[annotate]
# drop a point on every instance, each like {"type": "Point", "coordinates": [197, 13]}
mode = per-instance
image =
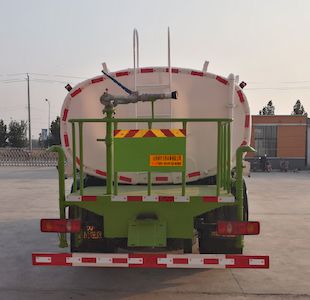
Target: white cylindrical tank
{"type": "Point", "coordinates": [200, 95]}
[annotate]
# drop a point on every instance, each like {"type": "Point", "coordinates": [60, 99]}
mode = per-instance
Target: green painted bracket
{"type": "Point", "coordinates": [239, 185]}
{"type": "Point", "coordinates": [147, 233]}
{"type": "Point", "coordinates": [239, 174]}
{"type": "Point", "coordinates": [61, 182]}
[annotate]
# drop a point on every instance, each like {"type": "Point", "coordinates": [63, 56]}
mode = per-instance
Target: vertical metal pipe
{"type": "Point", "coordinates": [239, 178]}
{"type": "Point", "coordinates": [61, 184]}
{"type": "Point", "coordinates": [184, 180]}
{"type": "Point", "coordinates": [153, 109]}
{"type": "Point", "coordinates": [81, 158]}
{"type": "Point", "coordinates": [231, 95]}
{"type": "Point", "coordinates": [218, 176]}
{"type": "Point", "coordinates": [29, 114]}
{"type": "Point", "coordinates": [135, 56]}
{"type": "Point", "coordinates": [62, 207]}
{"type": "Point", "coordinates": [169, 60]}
{"type": "Point", "coordinates": [225, 155]}
{"type": "Point", "coordinates": [239, 191]}
{"type": "Point", "coordinates": [109, 153]}
{"type": "Point", "coordinates": [228, 157]}
{"type": "Point", "coordinates": [149, 174]}
{"type": "Point", "coordinates": [115, 183]}
{"type": "Point", "coordinates": [184, 172]}
{"type": "Point", "coordinates": [48, 121]}
{"type": "Point", "coordinates": [74, 157]}
{"type": "Point", "coordinates": [239, 186]}
{"type": "Point", "coordinates": [149, 183]}
{"type": "Point", "coordinates": [222, 155]}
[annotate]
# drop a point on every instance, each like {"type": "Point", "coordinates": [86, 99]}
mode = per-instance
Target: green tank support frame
{"type": "Point", "coordinates": [177, 218]}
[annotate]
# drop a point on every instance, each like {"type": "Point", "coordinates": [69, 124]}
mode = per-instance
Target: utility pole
{"type": "Point", "coordinates": [49, 122]}
{"type": "Point", "coordinates": [29, 117]}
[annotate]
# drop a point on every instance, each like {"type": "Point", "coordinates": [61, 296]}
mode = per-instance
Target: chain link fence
{"type": "Point", "coordinates": [24, 157]}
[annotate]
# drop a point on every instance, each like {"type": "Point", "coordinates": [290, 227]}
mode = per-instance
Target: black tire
{"type": "Point", "coordinates": [187, 246]}
{"type": "Point", "coordinates": [208, 243]}
{"type": "Point", "coordinates": [73, 214]}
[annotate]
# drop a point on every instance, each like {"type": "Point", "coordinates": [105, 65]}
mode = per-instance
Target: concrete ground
{"type": "Point", "coordinates": [281, 202]}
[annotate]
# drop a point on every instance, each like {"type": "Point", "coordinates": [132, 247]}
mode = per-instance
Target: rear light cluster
{"type": "Point", "coordinates": [237, 228]}
{"type": "Point", "coordinates": [60, 225]}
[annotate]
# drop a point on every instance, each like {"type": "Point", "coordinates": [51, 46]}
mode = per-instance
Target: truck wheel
{"type": "Point", "coordinates": [187, 246]}
{"type": "Point", "coordinates": [209, 243]}
{"type": "Point", "coordinates": [73, 213]}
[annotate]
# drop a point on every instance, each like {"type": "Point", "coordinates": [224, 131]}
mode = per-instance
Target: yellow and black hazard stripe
{"type": "Point", "coordinates": [143, 133]}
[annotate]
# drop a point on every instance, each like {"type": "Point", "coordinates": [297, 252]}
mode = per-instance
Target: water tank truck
{"type": "Point", "coordinates": [157, 166]}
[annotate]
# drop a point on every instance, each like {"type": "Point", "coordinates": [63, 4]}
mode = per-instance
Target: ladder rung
{"type": "Point", "coordinates": [154, 85]}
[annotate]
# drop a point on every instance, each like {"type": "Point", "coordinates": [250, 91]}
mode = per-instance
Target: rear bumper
{"type": "Point", "coordinates": [151, 260]}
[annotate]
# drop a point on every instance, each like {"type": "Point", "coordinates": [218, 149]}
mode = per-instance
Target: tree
{"type": "Point", "coordinates": [268, 110]}
{"type": "Point", "coordinates": [17, 134]}
{"type": "Point", "coordinates": [298, 109]}
{"type": "Point", "coordinates": [3, 134]}
{"type": "Point", "coordinates": [54, 136]}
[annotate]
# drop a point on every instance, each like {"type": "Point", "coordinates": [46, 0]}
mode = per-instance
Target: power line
{"type": "Point", "coordinates": [40, 74]}
{"type": "Point", "coordinates": [45, 74]}
{"type": "Point", "coordinates": [14, 74]}
{"type": "Point", "coordinates": [275, 82]}
{"type": "Point", "coordinates": [13, 80]}
{"type": "Point", "coordinates": [280, 88]}
{"type": "Point", "coordinates": [65, 76]}
{"type": "Point", "coordinates": [48, 81]}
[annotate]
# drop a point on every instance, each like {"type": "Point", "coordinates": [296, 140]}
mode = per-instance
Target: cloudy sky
{"type": "Point", "coordinates": [266, 42]}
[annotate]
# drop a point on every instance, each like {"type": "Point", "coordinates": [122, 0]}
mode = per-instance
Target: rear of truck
{"type": "Point", "coordinates": [183, 225]}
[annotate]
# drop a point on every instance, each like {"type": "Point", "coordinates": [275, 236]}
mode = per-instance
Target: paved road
{"type": "Point", "coordinates": [280, 201]}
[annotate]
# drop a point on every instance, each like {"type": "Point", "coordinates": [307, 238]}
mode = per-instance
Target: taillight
{"type": "Point", "coordinates": [60, 225]}
{"type": "Point", "coordinates": [237, 228]}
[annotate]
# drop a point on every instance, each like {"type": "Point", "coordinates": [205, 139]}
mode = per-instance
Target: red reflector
{"type": "Point", "coordinates": [237, 228]}
{"type": "Point", "coordinates": [92, 260]}
{"type": "Point", "coordinates": [180, 261]}
{"type": "Point", "coordinates": [119, 260]}
{"type": "Point", "coordinates": [59, 225]}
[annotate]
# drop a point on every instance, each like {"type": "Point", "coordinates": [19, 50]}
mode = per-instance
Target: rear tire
{"type": "Point", "coordinates": [208, 243]}
{"type": "Point", "coordinates": [188, 246]}
{"type": "Point", "coordinates": [217, 245]}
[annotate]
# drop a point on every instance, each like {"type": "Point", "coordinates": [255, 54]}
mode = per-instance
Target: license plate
{"type": "Point", "coordinates": [91, 233]}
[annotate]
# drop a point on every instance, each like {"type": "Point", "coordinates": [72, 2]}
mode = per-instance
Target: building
{"type": "Point", "coordinates": [281, 138]}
